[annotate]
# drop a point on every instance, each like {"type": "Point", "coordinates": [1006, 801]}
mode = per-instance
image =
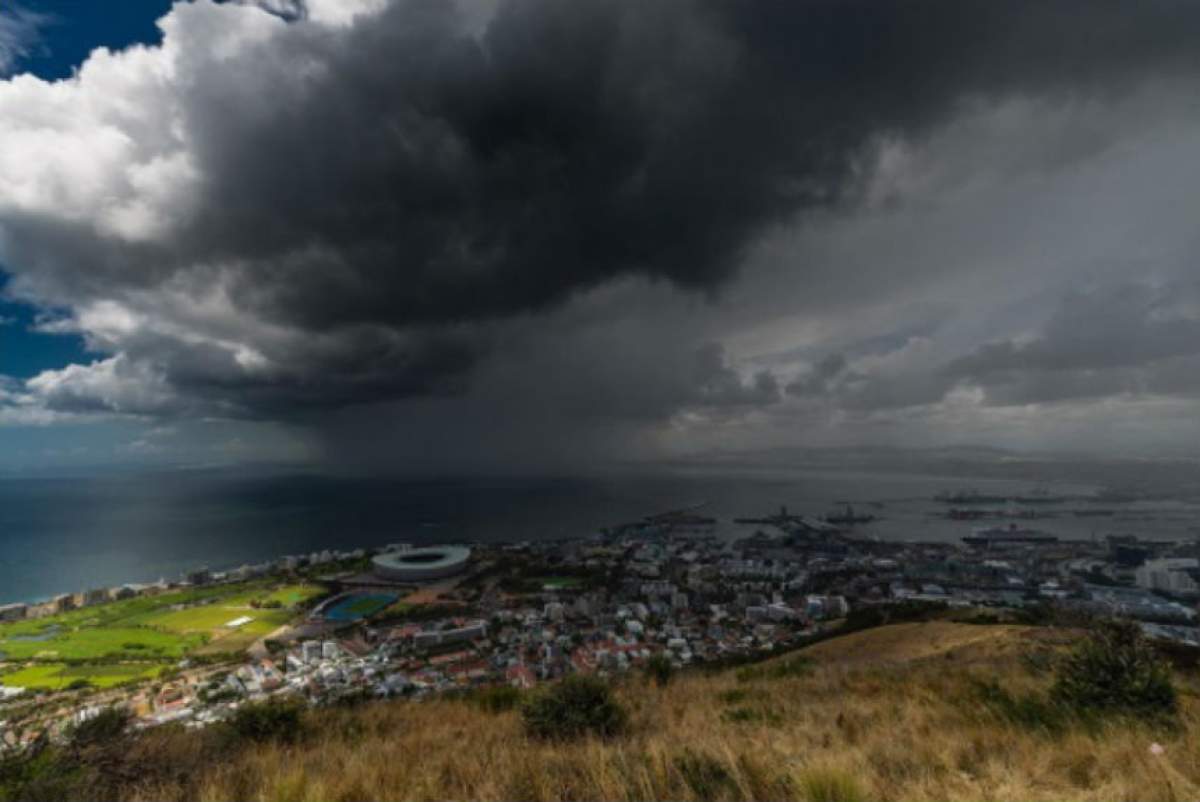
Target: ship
{"type": "Point", "coordinates": [969, 496]}
{"type": "Point", "coordinates": [999, 536]}
{"type": "Point", "coordinates": [956, 514]}
{"type": "Point", "coordinates": [1039, 496]}
{"type": "Point", "coordinates": [848, 518]}
{"type": "Point", "coordinates": [1113, 496]}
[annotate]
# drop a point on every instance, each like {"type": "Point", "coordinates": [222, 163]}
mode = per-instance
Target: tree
{"type": "Point", "coordinates": [660, 669]}
{"type": "Point", "coordinates": [274, 720]}
{"type": "Point", "coordinates": [576, 707]}
{"type": "Point", "coordinates": [1116, 670]}
{"type": "Point", "coordinates": [105, 726]}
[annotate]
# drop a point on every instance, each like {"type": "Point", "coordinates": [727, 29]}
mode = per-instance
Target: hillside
{"type": "Point", "coordinates": [890, 713]}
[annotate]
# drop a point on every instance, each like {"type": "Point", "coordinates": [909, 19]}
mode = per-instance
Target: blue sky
{"type": "Point", "coordinates": [73, 28]}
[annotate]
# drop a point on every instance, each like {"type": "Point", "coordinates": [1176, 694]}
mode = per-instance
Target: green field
{"type": "Point", "coordinates": [218, 611]}
{"type": "Point", "coordinates": [159, 629]}
{"type": "Point", "coordinates": [398, 607]}
{"type": "Point", "coordinates": [368, 605]}
{"type": "Point", "coordinates": [291, 595]}
{"type": "Point", "coordinates": [265, 622]}
{"type": "Point", "coordinates": [89, 643]}
{"type": "Point", "coordinates": [559, 582]}
{"type": "Point", "coordinates": [56, 676]}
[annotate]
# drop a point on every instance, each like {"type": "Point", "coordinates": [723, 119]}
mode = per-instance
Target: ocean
{"type": "Point", "coordinates": [65, 535]}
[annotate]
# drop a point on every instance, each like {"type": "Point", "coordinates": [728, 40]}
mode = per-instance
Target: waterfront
{"type": "Point", "coordinates": [60, 535]}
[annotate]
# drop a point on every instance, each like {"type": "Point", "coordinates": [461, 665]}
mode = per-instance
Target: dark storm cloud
{"type": "Point", "coordinates": [719, 385]}
{"type": "Point", "coordinates": [423, 176]}
{"type": "Point", "coordinates": [1124, 339]}
{"type": "Point", "coordinates": [366, 203]}
{"type": "Point", "coordinates": [820, 379]}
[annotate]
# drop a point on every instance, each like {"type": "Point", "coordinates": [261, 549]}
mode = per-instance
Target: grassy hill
{"type": "Point", "coordinates": [907, 711]}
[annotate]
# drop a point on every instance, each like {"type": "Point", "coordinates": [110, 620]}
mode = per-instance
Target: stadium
{"type": "Point", "coordinates": [415, 565]}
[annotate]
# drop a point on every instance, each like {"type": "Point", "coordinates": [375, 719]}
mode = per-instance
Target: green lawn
{"type": "Point", "coordinates": [368, 605]}
{"type": "Point", "coordinates": [163, 628]}
{"type": "Point", "coordinates": [559, 582]}
{"type": "Point", "coordinates": [211, 618]}
{"type": "Point", "coordinates": [55, 676]}
{"type": "Point", "coordinates": [265, 622]}
{"type": "Point", "coordinates": [128, 611]}
{"type": "Point", "coordinates": [88, 643]}
{"type": "Point", "coordinates": [398, 607]}
{"type": "Point", "coordinates": [291, 595]}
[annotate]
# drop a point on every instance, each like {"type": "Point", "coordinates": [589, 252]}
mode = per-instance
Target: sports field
{"type": "Point", "coordinates": [134, 638]}
{"type": "Point", "coordinates": [357, 606]}
{"type": "Point", "coordinates": [88, 643]}
{"type": "Point", "coordinates": [559, 582]}
{"type": "Point", "coordinates": [56, 676]}
{"type": "Point", "coordinates": [212, 616]}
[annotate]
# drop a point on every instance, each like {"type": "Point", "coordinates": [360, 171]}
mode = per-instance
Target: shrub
{"type": "Point", "coordinates": [269, 721]}
{"type": "Point", "coordinates": [705, 775]}
{"type": "Point", "coordinates": [798, 666]}
{"type": "Point", "coordinates": [752, 715]}
{"type": "Point", "coordinates": [44, 775]}
{"type": "Point", "coordinates": [1116, 670]}
{"type": "Point", "coordinates": [498, 698]}
{"type": "Point", "coordinates": [830, 785]}
{"type": "Point", "coordinates": [576, 707]}
{"type": "Point", "coordinates": [105, 726]}
{"type": "Point", "coordinates": [735, 696]}
{"type": "Point", "coordinates": [660, 670]}
{"type": "Point", "coordinates": [1029, 710]}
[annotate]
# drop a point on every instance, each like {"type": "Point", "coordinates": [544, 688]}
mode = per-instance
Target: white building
{"type": "Point", "coordinates": [13, 612]}
{"type": "Point", "coordinates": [310, 651]}
{"type": "Point", "coordinates": [1169, 574]}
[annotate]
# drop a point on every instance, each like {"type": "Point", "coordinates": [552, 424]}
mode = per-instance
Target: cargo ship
{"type": "Point", "coordinates": [848, 518]}
{"type": "Point", "coordinates": [1000, 536]}
{"type": "Point", "coordinates": [969, 497]}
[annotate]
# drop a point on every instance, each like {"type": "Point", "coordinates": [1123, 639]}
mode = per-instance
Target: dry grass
{"type": "Point", "coordinates": [884, 715]}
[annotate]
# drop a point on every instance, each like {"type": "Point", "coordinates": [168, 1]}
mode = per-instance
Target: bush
{"type": "Point", "coordinates": [736, 696]}
{"type": "Point", "coordinates": [751, 715]}
{"type": "Point", "coordinates": [1032, 711]}
{"type": "Point", "coordinates": [789, 668]}
{"type": "Point", "coordinates": [704, 775]}
{"type": "Point", "coordinates": [44, 775]}
{"type": "Point", "coordinates": [830, 785]}
{"type": "Point", "coordinates": [498, 698]}
{"type": "Point", "coordinates": [1116, 670]}
{"type": "Point", "coordinates": [269, 721]}
{"type": "Point", "coordinates": [659, 669]}
{"type": "Point", "coordinates": [105, 726]}
{"type": "Point", "coordinates": [576, 707]}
